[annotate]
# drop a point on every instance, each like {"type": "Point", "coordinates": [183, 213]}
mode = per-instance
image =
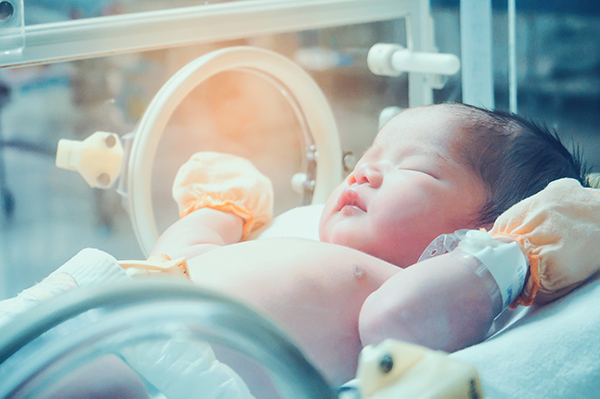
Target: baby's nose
{"type": "Point", "coordinates": [367, 174]}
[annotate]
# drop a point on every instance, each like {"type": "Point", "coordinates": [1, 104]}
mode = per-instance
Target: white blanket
{"type": "Point", "coordinates": [551, 352]}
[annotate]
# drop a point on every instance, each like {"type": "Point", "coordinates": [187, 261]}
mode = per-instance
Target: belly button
{"type": "Point", "coordinates": [358, 272]}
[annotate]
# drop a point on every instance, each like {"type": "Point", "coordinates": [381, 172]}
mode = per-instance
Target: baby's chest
{"type": "Point", "coordinates": [313, 294]}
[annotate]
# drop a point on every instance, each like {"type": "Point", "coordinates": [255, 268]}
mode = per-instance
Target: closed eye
{"type": "Point", "coordinates": [435, 175]}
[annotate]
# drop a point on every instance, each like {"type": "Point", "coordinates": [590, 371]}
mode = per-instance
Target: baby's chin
{"type": "Point", "coordinates": [324, 236]}
{"type": "Point", "coordinates": [334, 237]}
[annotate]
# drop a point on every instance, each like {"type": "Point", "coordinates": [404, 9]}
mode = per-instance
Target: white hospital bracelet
{"type": "Point", "coordinates": [491, 286]}
{"type": "Point", "coordinates": [504, 260]}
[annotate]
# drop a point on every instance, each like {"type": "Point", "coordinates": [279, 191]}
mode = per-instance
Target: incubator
{"type": "Point", "coordinates": [315, 71]}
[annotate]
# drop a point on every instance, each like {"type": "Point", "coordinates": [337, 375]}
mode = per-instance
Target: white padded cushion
{"type": "Point", "coordinates": [300, 222]}
{"type": "Point", "coordinates": [553, 351]}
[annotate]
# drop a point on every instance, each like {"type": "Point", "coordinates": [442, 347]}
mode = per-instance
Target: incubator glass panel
{"type": "Point", "coordinates": [48, 11]}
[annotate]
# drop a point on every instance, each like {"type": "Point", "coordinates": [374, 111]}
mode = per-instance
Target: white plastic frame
{"type": "Point", "coordinates": [309, 97]}
{"type": "Point", "coordinates": [143, 31]}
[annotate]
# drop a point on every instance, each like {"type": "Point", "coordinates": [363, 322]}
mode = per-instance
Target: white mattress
{"type": "Point", "coordinates": [552, 351]}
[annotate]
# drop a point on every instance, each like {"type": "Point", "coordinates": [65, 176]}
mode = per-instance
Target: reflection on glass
{"type": "Point", "coordinates": [153, 339]}
{"type": "Point", "coordinates": [106, 376]}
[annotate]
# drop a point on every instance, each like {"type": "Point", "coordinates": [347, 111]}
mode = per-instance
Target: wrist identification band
{"type": "Point", "coordinates": [505, 261]}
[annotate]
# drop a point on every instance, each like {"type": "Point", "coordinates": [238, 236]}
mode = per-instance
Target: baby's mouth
{"type": "Point", "coordinates": [350, 198]}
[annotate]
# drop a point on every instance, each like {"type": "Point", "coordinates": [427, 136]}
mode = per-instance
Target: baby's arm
{"type": "Point", "coordinates": [439, 303]}
{"type": "Point", "coordinates": [199, 232]}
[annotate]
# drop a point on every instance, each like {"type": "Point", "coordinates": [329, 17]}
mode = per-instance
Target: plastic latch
{"type": "Point", "coordinates": [98, 158]}
{"type": "Point", "coordinates": [379, 59]}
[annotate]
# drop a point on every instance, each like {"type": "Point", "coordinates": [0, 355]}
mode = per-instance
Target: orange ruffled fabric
{"type": "Point", "coordinates": [559, 231]}
{"type": "Point", "coordinates": [228, 206]}
{"type": "Point", "coordinates": [226, 183]}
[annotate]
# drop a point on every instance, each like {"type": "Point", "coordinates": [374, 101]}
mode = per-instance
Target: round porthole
{"type": "Point", "coordinates": [306, 99]}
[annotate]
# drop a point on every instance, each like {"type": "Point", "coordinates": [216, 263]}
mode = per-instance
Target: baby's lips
{"type": "Point", "coordinates": [349, 197]}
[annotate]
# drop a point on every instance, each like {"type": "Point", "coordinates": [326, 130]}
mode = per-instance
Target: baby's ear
{"type": "Point", "coordinates": [487, 226]}
{"type": "Point", "coordinates": [479, 224]}
{"type": "Point", "coordinates": [481, 220]}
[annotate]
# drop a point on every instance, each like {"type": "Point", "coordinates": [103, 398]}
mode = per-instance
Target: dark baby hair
{"type": "Point", "coordinates": [514, 157]}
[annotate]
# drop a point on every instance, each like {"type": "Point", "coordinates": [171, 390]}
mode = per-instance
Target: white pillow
{"type": "Point", "coordinates": [553, 351]}
{"type": "Point", "coordinates": [300, 222]}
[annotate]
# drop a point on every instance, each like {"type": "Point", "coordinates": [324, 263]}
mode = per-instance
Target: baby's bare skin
{"type": "Point", "coordinates": [285, 279]}
{"type": "Point", "coordinates": [333, 300]}
{"type": "Point", "coordinates": [350, 289]}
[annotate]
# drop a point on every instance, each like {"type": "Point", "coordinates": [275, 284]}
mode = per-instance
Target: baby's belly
{"type": "Point", "coordinates": [314, 291]}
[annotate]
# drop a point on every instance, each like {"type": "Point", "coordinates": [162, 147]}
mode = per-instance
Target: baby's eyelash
{"type": "Point", "coordinates": [418, 170]}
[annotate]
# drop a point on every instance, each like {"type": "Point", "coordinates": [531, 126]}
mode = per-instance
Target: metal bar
{"type": "Point", "coordinates": [476, 53]}
{"type": "Point", "coordinates": [95, 37]}
{"type": "Point", "coordinates": [419, 35]}
{"type": "Point", "coordinates": [512, 57]}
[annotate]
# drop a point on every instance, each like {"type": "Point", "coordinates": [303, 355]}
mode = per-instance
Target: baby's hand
{"type": "Point", "coordinates": [226, 183]}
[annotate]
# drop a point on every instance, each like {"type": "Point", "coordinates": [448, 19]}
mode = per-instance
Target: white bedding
{"type": "Point", "coordinates": [182, 369]}
{"type": "Point", "coordinates": [300, 222]}
{"type": "Point", "coordinates": [551, 352]}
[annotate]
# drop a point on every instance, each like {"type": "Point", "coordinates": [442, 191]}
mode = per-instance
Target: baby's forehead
{"type": "Point", "coordinates": [423, 133]}
{"type": "Point", "coordinates": [401, 149]}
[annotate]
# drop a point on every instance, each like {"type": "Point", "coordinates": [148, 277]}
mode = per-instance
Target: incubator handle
{"type": "Point", "coordinates": [392, 60]}
{"type": "Point", "coordinates": [98, 158]}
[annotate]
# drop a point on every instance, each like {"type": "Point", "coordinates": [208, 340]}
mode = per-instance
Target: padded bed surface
{"type": "Point", "coordinates": [552, 351]}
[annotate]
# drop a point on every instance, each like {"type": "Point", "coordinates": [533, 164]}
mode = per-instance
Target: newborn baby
{"type": "Point", "coordinates": [430, 171]}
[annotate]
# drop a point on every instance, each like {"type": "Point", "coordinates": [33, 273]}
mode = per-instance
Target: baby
{"type": "Point", "coordinates": [431, 170]}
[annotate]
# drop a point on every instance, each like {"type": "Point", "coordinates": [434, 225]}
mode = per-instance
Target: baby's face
{"type": "Point", "coordinates": [407, 189]}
